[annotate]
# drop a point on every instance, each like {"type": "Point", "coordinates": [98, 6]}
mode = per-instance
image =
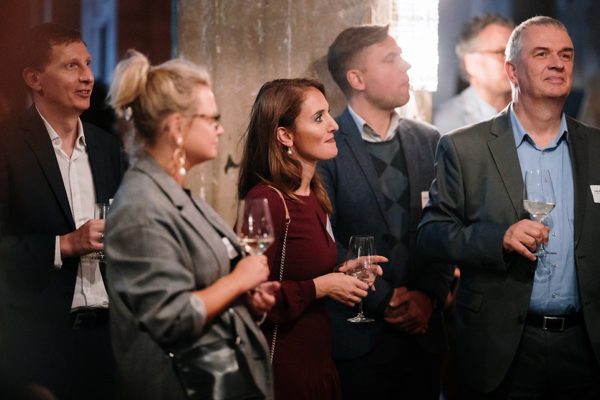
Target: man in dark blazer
{"type": "Point", "coordinates": [53, 168]}
{"type": "Point", "coordinates": [526, 327]}
{"type": "Point", "coordinates": [383, 167]}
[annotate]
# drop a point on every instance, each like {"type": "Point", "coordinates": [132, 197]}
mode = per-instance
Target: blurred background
{"type": "Point", "coordinates": [244, 43]}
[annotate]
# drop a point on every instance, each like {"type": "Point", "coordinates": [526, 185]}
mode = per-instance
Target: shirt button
{"type": "Point", "coordinates": [553, 234]}
{"type": "Point", "coordinates": [554, 295]}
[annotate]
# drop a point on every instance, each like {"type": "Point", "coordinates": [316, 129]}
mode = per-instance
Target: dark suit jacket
{"type": "Point", "coordinates": [35, 297]}
{"type": "Point", "coordinates": [358, 208]}
{"type": "Point", "coordinates": [476, 196]}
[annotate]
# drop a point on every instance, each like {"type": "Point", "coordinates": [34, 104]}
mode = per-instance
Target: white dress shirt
{"type": "Point", "coordinates": [78, 181]}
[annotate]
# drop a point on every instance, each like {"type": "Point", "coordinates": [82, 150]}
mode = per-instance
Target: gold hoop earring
{"type": "Point", "coordinates": [179, 157]}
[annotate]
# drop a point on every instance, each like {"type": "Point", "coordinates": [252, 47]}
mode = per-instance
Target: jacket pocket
{"type": "Point", "coordinates": [469, 299]}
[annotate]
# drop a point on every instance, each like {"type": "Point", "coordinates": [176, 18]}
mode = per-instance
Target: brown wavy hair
{"type": "Point", "coordinates": [265, 159]}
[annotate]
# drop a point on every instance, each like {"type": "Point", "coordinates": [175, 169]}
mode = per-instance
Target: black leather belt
{"type": "Point", "coordinates": [554, 323]}
{"type": "Point", "coordinates": [88, 317]}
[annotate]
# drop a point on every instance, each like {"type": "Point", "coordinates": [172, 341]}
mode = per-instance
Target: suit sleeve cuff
{"type": "Point", "coordinates": [199, 319]}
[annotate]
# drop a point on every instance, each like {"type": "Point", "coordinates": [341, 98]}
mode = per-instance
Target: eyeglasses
{"type": "Point", "coordinates": [215, 120]}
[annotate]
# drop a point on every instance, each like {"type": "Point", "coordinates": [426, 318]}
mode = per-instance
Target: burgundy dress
{"type": "Point", "coordinates": [302, 364]}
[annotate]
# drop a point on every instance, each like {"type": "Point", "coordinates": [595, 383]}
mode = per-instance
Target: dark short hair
{"type": "Point", "coordinates": [342, 53]}
{"type": "Point", "coordinates": [37, 47]}
{"type": "Point", "coordinates": [467, 41]}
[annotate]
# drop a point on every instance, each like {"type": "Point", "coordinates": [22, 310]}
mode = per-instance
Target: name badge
{"type": "Point", "coordinates": [424, 199]}
{"type": "Point", "coordinates": [595, 193]}
{"type": "Point", "coordinates": [231, 251]}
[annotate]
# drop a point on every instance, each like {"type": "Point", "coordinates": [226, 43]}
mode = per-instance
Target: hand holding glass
{"type": "Point", "coordinates": [254, 226]}
{"type": "Point", "coordinates": [359, 260]}
{"type": "Point", "coordinates": [538, 198]}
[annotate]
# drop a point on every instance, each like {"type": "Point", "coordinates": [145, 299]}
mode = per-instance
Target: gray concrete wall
{"type": "Point", "coordinates": [246, 43]}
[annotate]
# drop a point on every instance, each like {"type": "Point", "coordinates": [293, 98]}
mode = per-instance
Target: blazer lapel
{"type": "Point", "coordinates": [36, 135]}
{"type": "Point", "coordinates": [415, 158]}
{"type": "Point", "coordinates": [98, 164]}
{"type": "Point", "coordinates": [356, 144]}
{"type": "Point", "coordinates": [191, 211]}
{"type": "Point", "coordinates": [578, 150]}
{"type": "Point", "coordinates": [217, 222]}
{"type": "Point", "coordinates": [504, 152]}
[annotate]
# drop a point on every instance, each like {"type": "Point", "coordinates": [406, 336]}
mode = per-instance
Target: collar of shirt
{"type": "Point", "coordinates": [368, 134]}
{"type": "Point", "coordinates": [80, 144]}
{"type": "Point", "coordinates": [520, 134]}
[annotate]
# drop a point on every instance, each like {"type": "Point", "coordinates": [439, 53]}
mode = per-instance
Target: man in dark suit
{"type": "Point", "coordinates": [383, 167]}
{"type": "Point", "coordinates": [53, 169]}
{"type": "Point", "coordinates": [526, 327]}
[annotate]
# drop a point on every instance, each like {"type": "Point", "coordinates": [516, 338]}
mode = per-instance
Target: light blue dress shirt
{"type": "Point", "coordinates": [555, 289]}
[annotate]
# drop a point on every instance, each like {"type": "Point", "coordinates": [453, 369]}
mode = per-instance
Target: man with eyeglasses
{"type": "Point", "coordinates": [480, 51]}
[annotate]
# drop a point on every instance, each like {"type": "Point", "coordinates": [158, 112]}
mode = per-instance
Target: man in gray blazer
{"type": "Point", "coordinates": [526, 327]}
{"type": "Point", "coordinates": [383, 167]}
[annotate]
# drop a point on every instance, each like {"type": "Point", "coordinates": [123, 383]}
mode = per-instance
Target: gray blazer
{"type": "Point", "coordinates": [476, 196]}
{"type": "Point", "coordinates": [161, 245]}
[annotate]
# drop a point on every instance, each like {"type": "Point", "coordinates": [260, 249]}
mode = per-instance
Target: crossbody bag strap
{"type": "Point", "coordinates": [281, 264]}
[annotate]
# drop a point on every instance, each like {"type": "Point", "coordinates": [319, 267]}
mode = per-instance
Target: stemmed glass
{"type": "Point", "coordinates": [538, 198]}
{"type": "Point", "coordinates": [359, 263]}
{"type": "Point", "coordinates": [100, 212]}
{"type": "Point", "coordinates": [254, 226]}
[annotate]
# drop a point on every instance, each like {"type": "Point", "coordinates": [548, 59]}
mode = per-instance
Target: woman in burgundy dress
{"type": "Point", "coordinates": [289, 131]}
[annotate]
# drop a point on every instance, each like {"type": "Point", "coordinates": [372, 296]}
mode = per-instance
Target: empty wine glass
{"type": "Point", "coordinates": [538, 199]}
{"type": "Point", "coordinates": [360, 265]}
{"type": "Point", "coordinates": [254, 226]}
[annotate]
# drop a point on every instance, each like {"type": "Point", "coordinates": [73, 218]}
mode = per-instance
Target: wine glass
{"type": "Point", "coordinates": [254, 226]}
{"type": "Point", "coordinates": [538, 198]}
{"type": "Point", "coordinates": [360, 266]}
{"type": "Point", "coordinates": [100, 212]}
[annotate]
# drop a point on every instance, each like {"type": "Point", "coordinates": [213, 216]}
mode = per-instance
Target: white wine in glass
{"type": "Point", "coordinates": [538, 198]}
{"type": "Point", "coordinates": [361, 249]}
{"type": "Point", "coordinates": [254, 226]}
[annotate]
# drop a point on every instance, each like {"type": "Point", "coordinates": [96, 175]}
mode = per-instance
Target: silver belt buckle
{"type": "Point", "coordinates": [562, 323]}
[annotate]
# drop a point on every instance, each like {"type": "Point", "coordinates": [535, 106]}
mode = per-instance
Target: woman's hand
{"type": "Point", "coordinates": [375, 267]}
{"type": "Point", "coordinates": [251, 271]}
{"type": "Point", "coordinates": [262, 298]}
{"type": "Point", "coordinates": [344, 288]}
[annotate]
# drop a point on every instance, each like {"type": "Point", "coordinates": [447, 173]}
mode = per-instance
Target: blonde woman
{"type": "Point", "coordinates": [176, 280]}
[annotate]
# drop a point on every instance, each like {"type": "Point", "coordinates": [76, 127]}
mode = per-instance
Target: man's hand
{"type": "Point", "coordinates": [409, 310]}
{"type": "Point", "coordinates": [524, 236]}
{"type": "Point", "coordinates": [84, 240]}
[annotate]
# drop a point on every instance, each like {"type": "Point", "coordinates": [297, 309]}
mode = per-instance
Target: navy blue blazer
{"type": "Point", "coordinates": [358, 209]}
{"type": "Point", "coordinates": [36, 298]}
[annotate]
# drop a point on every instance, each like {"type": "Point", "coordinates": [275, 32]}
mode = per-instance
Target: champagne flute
{"type": "Point", "coordinates": [100, 212]}
{"type": "Point", "coordinates": [254, 226]}
{"type": "Point", "coordinates": [538, 198]}
{"type": "Point", "coordinates": [358, 259]}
